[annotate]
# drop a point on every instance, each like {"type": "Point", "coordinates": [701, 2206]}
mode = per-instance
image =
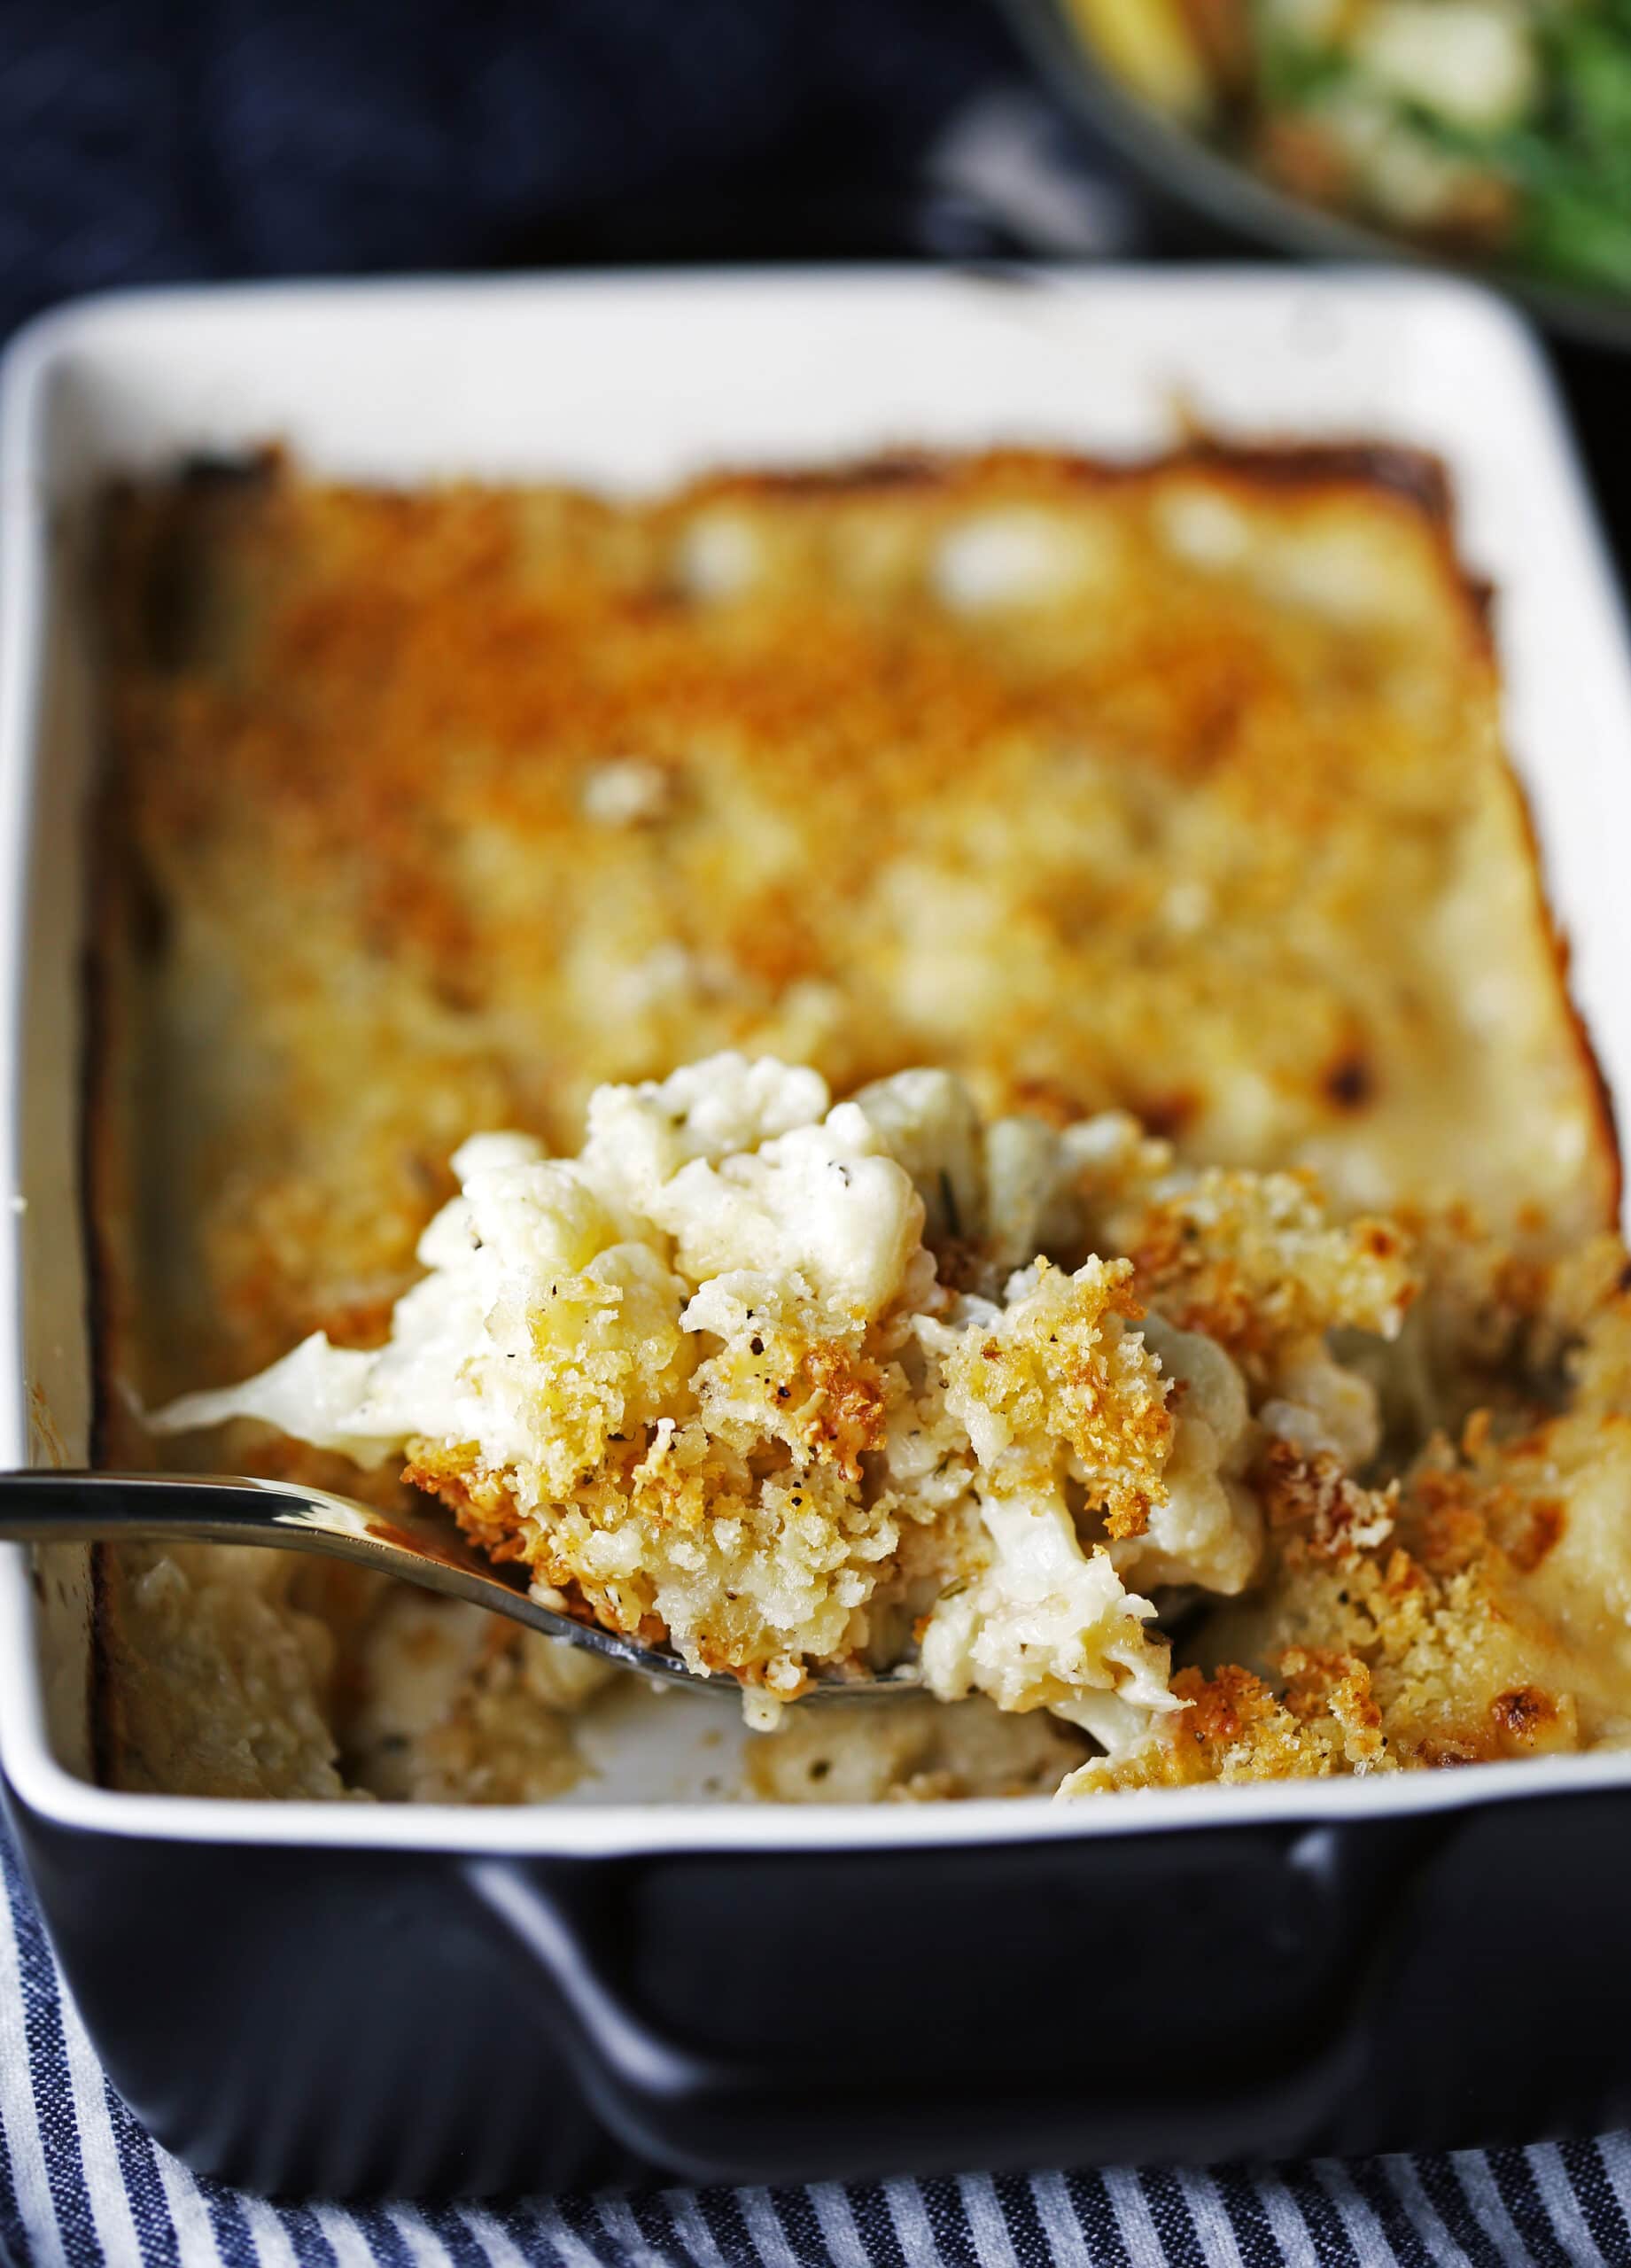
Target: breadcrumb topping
{"type": "Point", "coordinates": [1059, 1379]}
{"type": "Point", "coordinates": [1472, 1608]}
{"type": "Point", "coordinates": [1252, 1261]}
{"type": "Point", "coordinates": [437, 812]}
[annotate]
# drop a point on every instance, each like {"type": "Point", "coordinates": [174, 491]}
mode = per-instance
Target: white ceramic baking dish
{"type": "Point", "coordinates": [1301, 1888]}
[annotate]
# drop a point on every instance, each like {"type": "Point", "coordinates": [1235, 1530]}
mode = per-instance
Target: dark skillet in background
{"type": "Point", "coordinates": [1225, 193]}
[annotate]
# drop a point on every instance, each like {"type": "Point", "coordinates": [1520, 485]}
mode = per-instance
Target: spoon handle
{"type": "Point", "coordinates": [53, 1506]}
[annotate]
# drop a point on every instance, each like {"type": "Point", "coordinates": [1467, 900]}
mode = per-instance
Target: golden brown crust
{"type": "Point", "coordinates": [1415, 475]}
{"type": "Point", "coordinates": [1252, 1262]}
{"type": "Point", "coordinates": [1140, 838]}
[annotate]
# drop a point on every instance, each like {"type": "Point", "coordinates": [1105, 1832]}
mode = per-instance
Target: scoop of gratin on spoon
{"type": "Point", "coordinates": [792, 1392]}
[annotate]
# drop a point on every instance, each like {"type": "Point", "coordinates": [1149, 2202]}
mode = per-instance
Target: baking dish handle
{"type": "Point", "coordinates": [671, 2102]}
{"type": "Point", "coordinates": [622, 2057]}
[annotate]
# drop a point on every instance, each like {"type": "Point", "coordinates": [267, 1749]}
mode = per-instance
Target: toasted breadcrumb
{"type": "Point", "coordinates": [1253, 1261]}
{"type": "Point", "coordinates": [1056, 1377]}
{"type": "Point", "coordinates": [1475, 1608]}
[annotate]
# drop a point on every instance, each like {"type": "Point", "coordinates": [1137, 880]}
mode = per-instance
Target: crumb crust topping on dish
{"type": "Point", "coordinates": [1173, 790]}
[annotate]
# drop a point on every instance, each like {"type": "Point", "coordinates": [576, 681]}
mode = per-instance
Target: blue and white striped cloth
{"type": "Point", "coordinates": [81, 2183]}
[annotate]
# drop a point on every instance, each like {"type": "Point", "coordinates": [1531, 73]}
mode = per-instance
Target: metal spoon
{"type": "Point", "coordinates": [418, 1546]}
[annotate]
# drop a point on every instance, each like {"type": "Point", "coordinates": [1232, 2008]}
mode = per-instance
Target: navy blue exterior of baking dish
{"type": "Point", "coordinates": [346, 2020]}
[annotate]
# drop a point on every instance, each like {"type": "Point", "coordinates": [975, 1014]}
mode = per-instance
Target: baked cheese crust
{"type": "Point", "coordinates": [1174, 789]}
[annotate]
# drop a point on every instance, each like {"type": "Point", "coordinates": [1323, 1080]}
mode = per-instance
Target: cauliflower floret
{"type": "Point", "coordinates": [317, 1393]}
{"type": "Point", "coordinates": [927, 1121]}
{"type": "Point", "coordinates": [1048, 1189]}
{"type": "Point", "coordinates": [1065, 1406]}
{"type": "Point", "coordinates": [1206, 1527]}
{"type": "Point", "coordinates": [1322, 1407]}
{"type": "Point", "coordinates": [645, 1369]}
{"type": "Point", "coordinates": [1023, 1170]}
{"type": "Point", "coordinates": [1047, 1625]}
{"type": "Point", "coordinates": [640, 1136]}
{"type": "Point", "coordinates": [506, 1344]}
{"type": "Point", "coordinates": [818, 1202]}
{"type": "Point", "coordinates": [1058, 1383]}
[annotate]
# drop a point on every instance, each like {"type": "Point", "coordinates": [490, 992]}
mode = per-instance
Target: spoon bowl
{"type": "Point", "coordinates": [423, 1546]}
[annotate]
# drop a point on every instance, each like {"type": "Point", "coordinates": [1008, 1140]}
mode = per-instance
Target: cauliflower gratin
{"type": "Point", "coordinates": [1213, 1369]}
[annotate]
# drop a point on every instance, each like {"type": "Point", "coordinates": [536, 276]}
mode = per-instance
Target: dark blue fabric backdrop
{"type": "Point", "coordinates": [145, 142]}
